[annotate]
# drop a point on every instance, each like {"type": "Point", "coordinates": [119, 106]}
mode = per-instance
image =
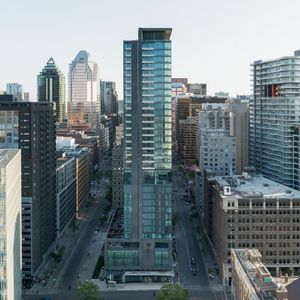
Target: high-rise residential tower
{"type": "Point", "coordinates": [148, 158]}
{"type": "Point", "coordinates": [83, 93]}
{"type": "Point", "coordinates": [10, 224]}
{"type": "Point", "coordinates": [29, 126]}
{"type": "Point", "coordinates": [274, 112]}
{"type": "Point", "coordinates": [51, 87]}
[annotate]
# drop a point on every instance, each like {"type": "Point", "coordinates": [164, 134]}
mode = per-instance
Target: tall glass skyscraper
{"type": "Point", "coordinates": [83, 93]}
{"type": "Point", "coordinates": [51, 88]}
{"type": "Point", "coordinates": [147, 154]}
{"type": "Point", "coordinates": [275, 119]}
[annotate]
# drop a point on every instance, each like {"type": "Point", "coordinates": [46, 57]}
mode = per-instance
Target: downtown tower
{"type": "Point", "coordinates": [144, 252]}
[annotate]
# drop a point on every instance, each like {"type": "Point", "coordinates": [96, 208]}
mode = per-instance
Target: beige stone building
{"type": "Point", "coordinates": [251, 280]}
{"type": "Point", "coordinates": [250, 211]}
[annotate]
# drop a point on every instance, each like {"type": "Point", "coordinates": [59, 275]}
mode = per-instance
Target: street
{"type": "Point", "coordinates": [82, 257]}
{"type": "Point", "coordinates": [192, 275]}
{"type": "Point", "coordinates": [191, 267]}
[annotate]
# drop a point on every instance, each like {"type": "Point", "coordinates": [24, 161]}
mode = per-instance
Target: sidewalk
{"type": "Point", "coordinates": [128, 286]}
{"type": "Point", "coordinates": [209, 261]}
{"type": "Point", "coordinates": [50, 273]}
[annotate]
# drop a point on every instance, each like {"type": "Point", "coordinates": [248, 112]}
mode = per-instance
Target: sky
{"type": "Point", "coordinates": [213, 41]}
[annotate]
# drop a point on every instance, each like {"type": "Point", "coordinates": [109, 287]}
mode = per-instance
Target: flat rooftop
{"type": "Point", "coordinates": [251, 186]}
{"type": "Point", "coordinates": [266, 287]}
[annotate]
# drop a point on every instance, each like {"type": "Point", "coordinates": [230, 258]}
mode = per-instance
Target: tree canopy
{"type": "Point", "coordinates": [172, 291]}
{"type": "Point", "coordinates": [89, 291]}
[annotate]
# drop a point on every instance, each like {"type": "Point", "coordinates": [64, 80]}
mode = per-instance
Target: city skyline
{"type": "Point", "coordinates": [207, 37]}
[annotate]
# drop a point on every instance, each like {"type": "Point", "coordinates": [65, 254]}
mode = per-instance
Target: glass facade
{"type": "Point", "coordinates": [148, 136]}
{"type": "Point", "coordinates": [51, 87]}
{"type": "Point", "coordinates": [83, 93]}
{"type": "Point", "coordinates": [274, 110]}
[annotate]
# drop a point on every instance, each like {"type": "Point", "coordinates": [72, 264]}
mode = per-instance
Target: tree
{"type": "Point", "coordinates": [89, 291]}
{"type": "Point", "coordinates": [171, 291]}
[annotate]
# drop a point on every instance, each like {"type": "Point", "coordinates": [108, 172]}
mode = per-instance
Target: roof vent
{"type": "Point", "coordinates": [265, 184]}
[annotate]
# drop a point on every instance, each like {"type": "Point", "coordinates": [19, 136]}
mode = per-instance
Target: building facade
{"type": "Point", "coordinates": [109, 98]}
{"type": "Point", "coordinates": [251, 280]}
{"type": "Point", "coordinates": [251, 211]}
{"type": "Point", "coordinates": [187, 106]}
{"type": "Point", "coordinates": [51, 88]}
{"type": "Point", "coordinates": [15, 89]}
{"type": "Point", "coordinates": [65, 193]}
{"type": "Point", "coordinates": [30, 126]}
{"type": "Point", "coordinates": [147, 243]}
{"type": "Point", "coordinates": [10, 223]}
{"type": "Point", "coordinates": [215, 147]}
{"type": "Point", "coordinates": [197, 88]}
{"type": "Point", "coordinates": [83, 93]}
{"type": "Point", "coordinates": [274, 110]}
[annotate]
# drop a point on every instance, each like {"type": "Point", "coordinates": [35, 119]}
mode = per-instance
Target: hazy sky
{"type": "Point", "coordinates": [214, 41]}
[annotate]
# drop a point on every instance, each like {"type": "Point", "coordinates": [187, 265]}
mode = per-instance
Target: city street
{"type": "Point", "coordinates": [192, 274]}
{"type": "Point", "coordinates": [190, 264]}
{"type": "Point", "coordinates": [82, 257]}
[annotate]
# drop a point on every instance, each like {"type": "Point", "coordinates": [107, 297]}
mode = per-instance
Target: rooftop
{"type": "Point", "coordinates": [62, 160]}
{"type": "Point", "coordinates": [255, 186]}
{"type": "Point", "coordinates": [266, 287]}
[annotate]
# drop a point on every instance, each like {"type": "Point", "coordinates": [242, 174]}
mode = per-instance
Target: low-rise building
{"type": "Point", "coordinates": [251, 280]}
{"type": "Point", "coordinates": [251, 211]}
{"type": "Point", "coordinates": [65, 192]}
{"type": "Point", "coordinates": [82, 173]}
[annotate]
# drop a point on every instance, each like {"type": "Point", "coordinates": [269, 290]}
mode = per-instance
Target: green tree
{"type": "Point", "coordinates": [89, 291]}
{"type": "Point", "coordinates": [171, 291]}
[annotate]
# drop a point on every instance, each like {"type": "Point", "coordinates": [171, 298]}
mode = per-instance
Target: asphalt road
{"type": "Point", "coordinates": [69, 275]}
{"type": "Point", "coordinates": [187, 246]}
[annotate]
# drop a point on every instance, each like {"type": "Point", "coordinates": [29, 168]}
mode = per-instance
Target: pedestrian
{"type": "Point", "coordinates": [153, 294]}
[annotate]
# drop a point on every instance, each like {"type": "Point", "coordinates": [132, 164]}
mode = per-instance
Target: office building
{"type": "Point", "coordinates": [222, 94]}
{"type": "Point", "coordinates": [65, 192]}
{"type": "Point", "coordinates": [29, 126]}
{"type": "Point", "coordinates": [109, 98]}
{"type": "Point", "coordinates": [179, 87]}
{"type": "Point", "coordinates": [82, 173]}
{"type": "Point", "coordinates": [251, 280]}
{"type": "Point", "coordinates": [119, 134]}
{"type": "Point", "coordinates": [216, 147]}
{"type": "Point", "coordinates": [26, 97]}
{"type": "Point", "coordinates": [83, 93]}
{"type": "Point", "coordinates": [187, 107]}
{"type": "Point", "coordinates": [51, 88]}
{"type": "Point", "coordinates": [186, 141]}
{"type": "Point", "coordinates": [16, 90]}
{"type": "Point", "coordinates": [10, 224]}
{"type": "Point", "coordinates": [145, 251]}
{"type": "Point", "coordinates": [274, 110]}
{"type": "Point", "coordinates": [73, 139]}
{"type": "Point", "coordinates": [239, 128]}
{"type": "Point", "coordinates": [197, 88]}
{"type": "Point", "coordinates": [251, 211]}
